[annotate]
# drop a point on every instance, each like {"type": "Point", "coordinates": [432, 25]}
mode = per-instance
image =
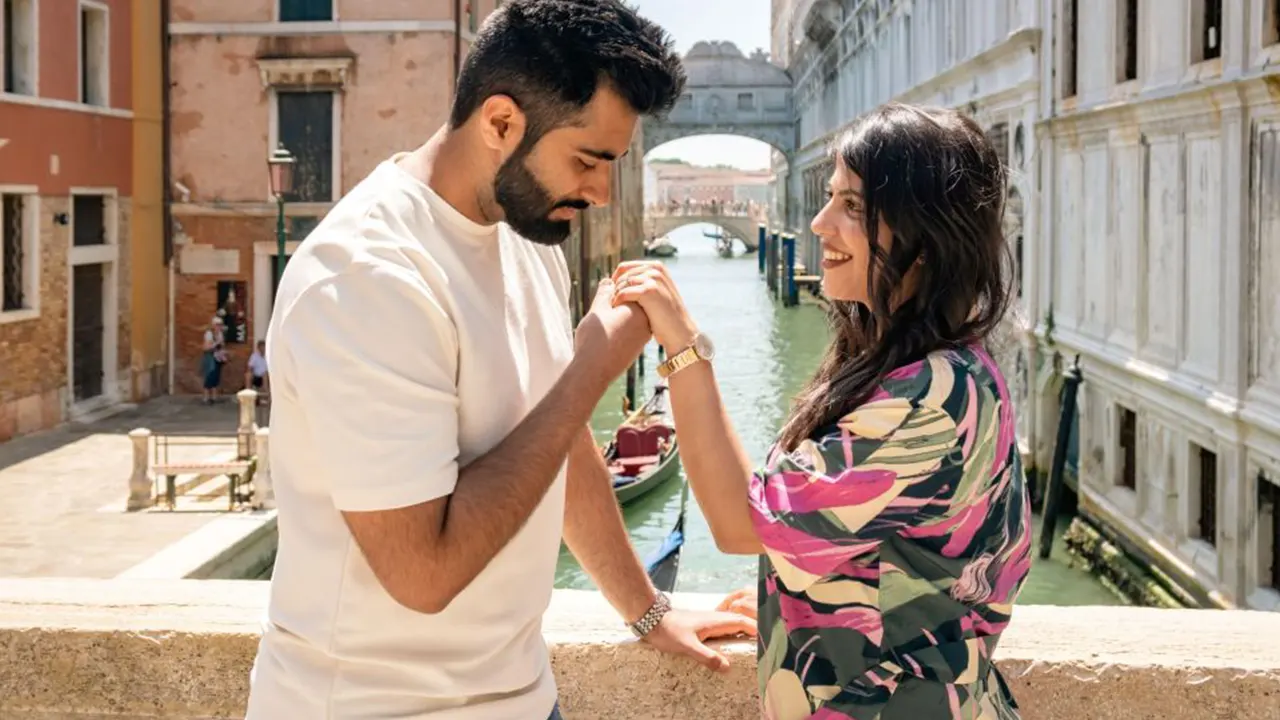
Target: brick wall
{"type": "Point", "coordinates": [34, 376]}
{"type": "Point", "coordinates": [196, 295]}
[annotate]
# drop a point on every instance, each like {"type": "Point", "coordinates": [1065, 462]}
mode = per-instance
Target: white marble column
{"type": "Point", "coordinates": [140, 488]}
{"type": "Point", "coordinates": [264, 494]}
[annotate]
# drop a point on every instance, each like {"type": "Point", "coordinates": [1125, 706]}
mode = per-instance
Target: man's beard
{"type": "Point", "coordinates": [527, 204]}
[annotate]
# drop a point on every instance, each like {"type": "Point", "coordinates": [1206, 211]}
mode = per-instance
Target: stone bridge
{"type": "Point", "coordinates": [741, 226]}
{"type": "Point", "coordinates": [728, 93]}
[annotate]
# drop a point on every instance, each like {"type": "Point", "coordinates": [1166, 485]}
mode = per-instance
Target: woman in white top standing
{"type": "Point", "coordinates": [212, 359]}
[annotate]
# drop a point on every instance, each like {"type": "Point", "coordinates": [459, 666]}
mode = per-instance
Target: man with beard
{"type": "Point", "coordinates": [429, 438]}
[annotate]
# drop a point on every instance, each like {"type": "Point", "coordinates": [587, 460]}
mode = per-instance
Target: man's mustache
{"type": "Point", "coordinates": [576, 204]}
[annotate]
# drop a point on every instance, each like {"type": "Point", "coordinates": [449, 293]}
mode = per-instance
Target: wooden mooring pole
{"type": "Point", "coordinates": [631, 387]}
{"type": "Point", "coordinates": [761, 241]}
{"type": "Point", "coordinates": [1053, 494]}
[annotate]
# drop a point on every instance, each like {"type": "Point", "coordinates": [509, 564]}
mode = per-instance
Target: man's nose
{"type": "Point", "coordinates": [596, 189]}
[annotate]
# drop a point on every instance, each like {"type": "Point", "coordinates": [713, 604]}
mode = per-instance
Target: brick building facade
{"type": "Point", "coordinates": [342, 84]}
{"type": "Point", "coordinates": [69, 248]}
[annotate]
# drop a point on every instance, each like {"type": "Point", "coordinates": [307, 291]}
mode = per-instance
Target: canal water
{"type": "Point", "coordinates": [764, 354]}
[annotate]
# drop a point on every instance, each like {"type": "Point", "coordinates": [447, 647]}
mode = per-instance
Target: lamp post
{"type": "Point", "coordinates": [280, 165]}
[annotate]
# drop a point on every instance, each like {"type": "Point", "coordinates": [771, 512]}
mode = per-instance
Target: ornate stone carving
{"type": "Point", "coordinates": [312, 72]}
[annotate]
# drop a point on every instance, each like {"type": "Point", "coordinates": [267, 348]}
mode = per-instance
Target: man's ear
{"type": "Point", "coordinates": [502, 123]}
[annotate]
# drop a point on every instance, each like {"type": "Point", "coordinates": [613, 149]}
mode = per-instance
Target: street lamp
{"type": "Point", "coordinates": [280, 165]}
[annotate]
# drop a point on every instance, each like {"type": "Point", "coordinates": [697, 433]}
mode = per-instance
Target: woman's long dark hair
{"type": "Point", "coordinates": [939, 186]}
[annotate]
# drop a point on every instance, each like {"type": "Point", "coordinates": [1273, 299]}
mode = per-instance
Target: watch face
{"type": "Point", "coordinates": [703, 345]}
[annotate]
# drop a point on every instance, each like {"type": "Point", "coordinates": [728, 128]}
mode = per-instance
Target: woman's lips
{"type": "Point", "coordinates": [832, 258]}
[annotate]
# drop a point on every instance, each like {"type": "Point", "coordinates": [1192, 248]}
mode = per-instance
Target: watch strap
{"type": "Point", "coordinates": [679, 361]}
{"type": "Point", "coordinates": [647, 622]}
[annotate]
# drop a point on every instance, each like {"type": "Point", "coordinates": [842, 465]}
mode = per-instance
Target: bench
{"type": "Point", "coordinates": [236, 470]}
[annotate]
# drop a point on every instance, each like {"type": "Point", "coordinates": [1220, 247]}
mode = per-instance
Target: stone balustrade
{"type": "Point", "coordinates": [183, 649]}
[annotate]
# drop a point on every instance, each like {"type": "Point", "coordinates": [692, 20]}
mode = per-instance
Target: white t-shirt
{"type": "Point", "coordinates": [257, 364]}
{"type": "Point", "coordinates": [406, 341]}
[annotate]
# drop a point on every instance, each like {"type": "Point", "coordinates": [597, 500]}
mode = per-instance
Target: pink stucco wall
{"type": "Point", "coordinates": [397, 95]}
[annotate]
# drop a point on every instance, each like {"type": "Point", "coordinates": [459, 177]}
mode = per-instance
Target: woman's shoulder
{"type": "Point", "coordinates": [943, 379]}
{"type": "Point", "coordinates": [957, 383]}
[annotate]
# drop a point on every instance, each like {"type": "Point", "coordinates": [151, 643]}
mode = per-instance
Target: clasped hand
{"type": "Point", "coordinates": [647, 284]}
{"type": "Point", "coordinates": [638, 302]}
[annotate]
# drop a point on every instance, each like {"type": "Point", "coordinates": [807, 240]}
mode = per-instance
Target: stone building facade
{"type": "Point", "coordinates": [1159, 159]}
{"type": "Point", "coordinates": [81, 249]}
{"type": "Point", "coordinates": [1143, 141]}
{"type": "Point", "coordinates": [343, 84]}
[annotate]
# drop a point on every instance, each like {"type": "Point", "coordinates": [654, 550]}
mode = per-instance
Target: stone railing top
{"type": "Point", "coordinates": [704, 212]}
{"type": "Point", "coordinates": [187, 646]}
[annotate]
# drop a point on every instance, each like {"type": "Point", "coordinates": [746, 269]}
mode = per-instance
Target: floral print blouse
{"type": "Point", "coordinates": [895, 545]}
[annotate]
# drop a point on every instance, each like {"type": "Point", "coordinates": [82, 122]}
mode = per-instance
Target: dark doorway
{"type": "Point", "coordinates": [87, 331]}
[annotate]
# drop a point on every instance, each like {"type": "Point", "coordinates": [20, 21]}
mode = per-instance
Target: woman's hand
{"type": "Point", "coordinates": [742, 602]}
{"type": "Point", "coordinates": [647, 284]}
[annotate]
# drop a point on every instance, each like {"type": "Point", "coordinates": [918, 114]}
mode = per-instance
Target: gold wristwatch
{"type": "Point", "coordinates": [701, 349]}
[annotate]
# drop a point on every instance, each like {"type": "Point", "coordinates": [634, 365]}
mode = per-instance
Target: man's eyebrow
{"type": "Point", "coordinates": [603, 154]}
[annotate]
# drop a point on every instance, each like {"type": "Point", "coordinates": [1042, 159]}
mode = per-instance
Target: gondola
{"type": "Point", "coordinates": [663, 565]}
{"type": "Point", "coordinates": [635, 474]}
{"type": "Point", "coordinates": [644, 453]}
{"type": "Point", "coordinates": [660, 247]}
{"type": "Point", "coordinates": [724, 243]}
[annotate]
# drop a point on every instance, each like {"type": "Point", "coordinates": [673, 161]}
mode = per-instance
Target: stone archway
{"type": "Point", "coordinates": [731, 94]}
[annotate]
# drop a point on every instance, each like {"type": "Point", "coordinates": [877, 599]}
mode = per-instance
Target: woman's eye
{"type": "Point", "coordinates": [853, 208]}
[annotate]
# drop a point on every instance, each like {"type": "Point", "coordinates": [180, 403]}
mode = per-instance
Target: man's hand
{"type": "Point", "coordinates": [647, 284]}
{"type": "Point", "coordinates": [611, 335]}
{"type": "Point", "coordinates": [684, 632]}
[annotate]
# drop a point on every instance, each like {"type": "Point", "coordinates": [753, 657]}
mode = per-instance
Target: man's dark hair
{"type": "Point", "coordinates": [551, 55]}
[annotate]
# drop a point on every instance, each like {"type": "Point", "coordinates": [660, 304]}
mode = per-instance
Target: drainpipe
{"type": "Point", "coordinates": [457, 41]}
{"type": "Point", "coordinates": [166, 177]}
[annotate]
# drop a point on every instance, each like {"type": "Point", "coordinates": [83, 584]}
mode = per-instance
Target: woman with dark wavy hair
{"type": "Point", "coordinates": [892, 516]}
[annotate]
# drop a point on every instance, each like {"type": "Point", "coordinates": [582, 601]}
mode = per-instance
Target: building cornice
{"type": "Point", "coordinates": [1165, 104]}
{"type": "Point", "coordinates": [1017, 41]}
{"type": "Point", "coordinates": [337, 27]}
{"type": "Point", "coordinates": [305, 71]}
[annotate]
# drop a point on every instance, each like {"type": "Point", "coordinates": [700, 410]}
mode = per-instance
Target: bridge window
{"type": "Point", "coordinates": [1128, 446]}
{"type": "Point", "coordinates": [1273, 22]}
{"type": "Point", "coordinates": [746, 101]}
{"type": "Point", "coordinates": [685, 102]}
{"type": "Point", "coordinates": [1268, 529]}
{"type": "Point", "coordinates": [1205, 492]}
{"type": "Point", "coordinates": [1208, 26]}
{"type": "Point", "coordinates": [1127, 67]}
{"type": "Point", "coordinates": [1071, 38]}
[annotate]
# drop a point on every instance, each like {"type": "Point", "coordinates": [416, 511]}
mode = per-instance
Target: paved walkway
{"type": "Point", "coordinates": [62, 492]}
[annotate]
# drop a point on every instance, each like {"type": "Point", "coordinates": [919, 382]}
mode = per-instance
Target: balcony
{"type": "Point", "coordinates": [183, 648]}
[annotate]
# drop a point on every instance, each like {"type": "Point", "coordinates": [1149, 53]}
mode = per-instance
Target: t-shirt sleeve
{"type": "Point", "coordinates": [372, 360]}
{"type": "Point", "coordinates": [887, 465]}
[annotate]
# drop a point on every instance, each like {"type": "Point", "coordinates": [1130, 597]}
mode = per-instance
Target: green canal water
{"type": "Point", "coordinates": [764, 353]}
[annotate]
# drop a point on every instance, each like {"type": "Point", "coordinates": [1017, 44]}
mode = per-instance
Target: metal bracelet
{"type": "Point", "coordinates": [647, 622]}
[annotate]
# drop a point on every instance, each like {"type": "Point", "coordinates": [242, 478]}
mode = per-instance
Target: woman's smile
{"type": "Point", "coordinates": [832, 258]}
